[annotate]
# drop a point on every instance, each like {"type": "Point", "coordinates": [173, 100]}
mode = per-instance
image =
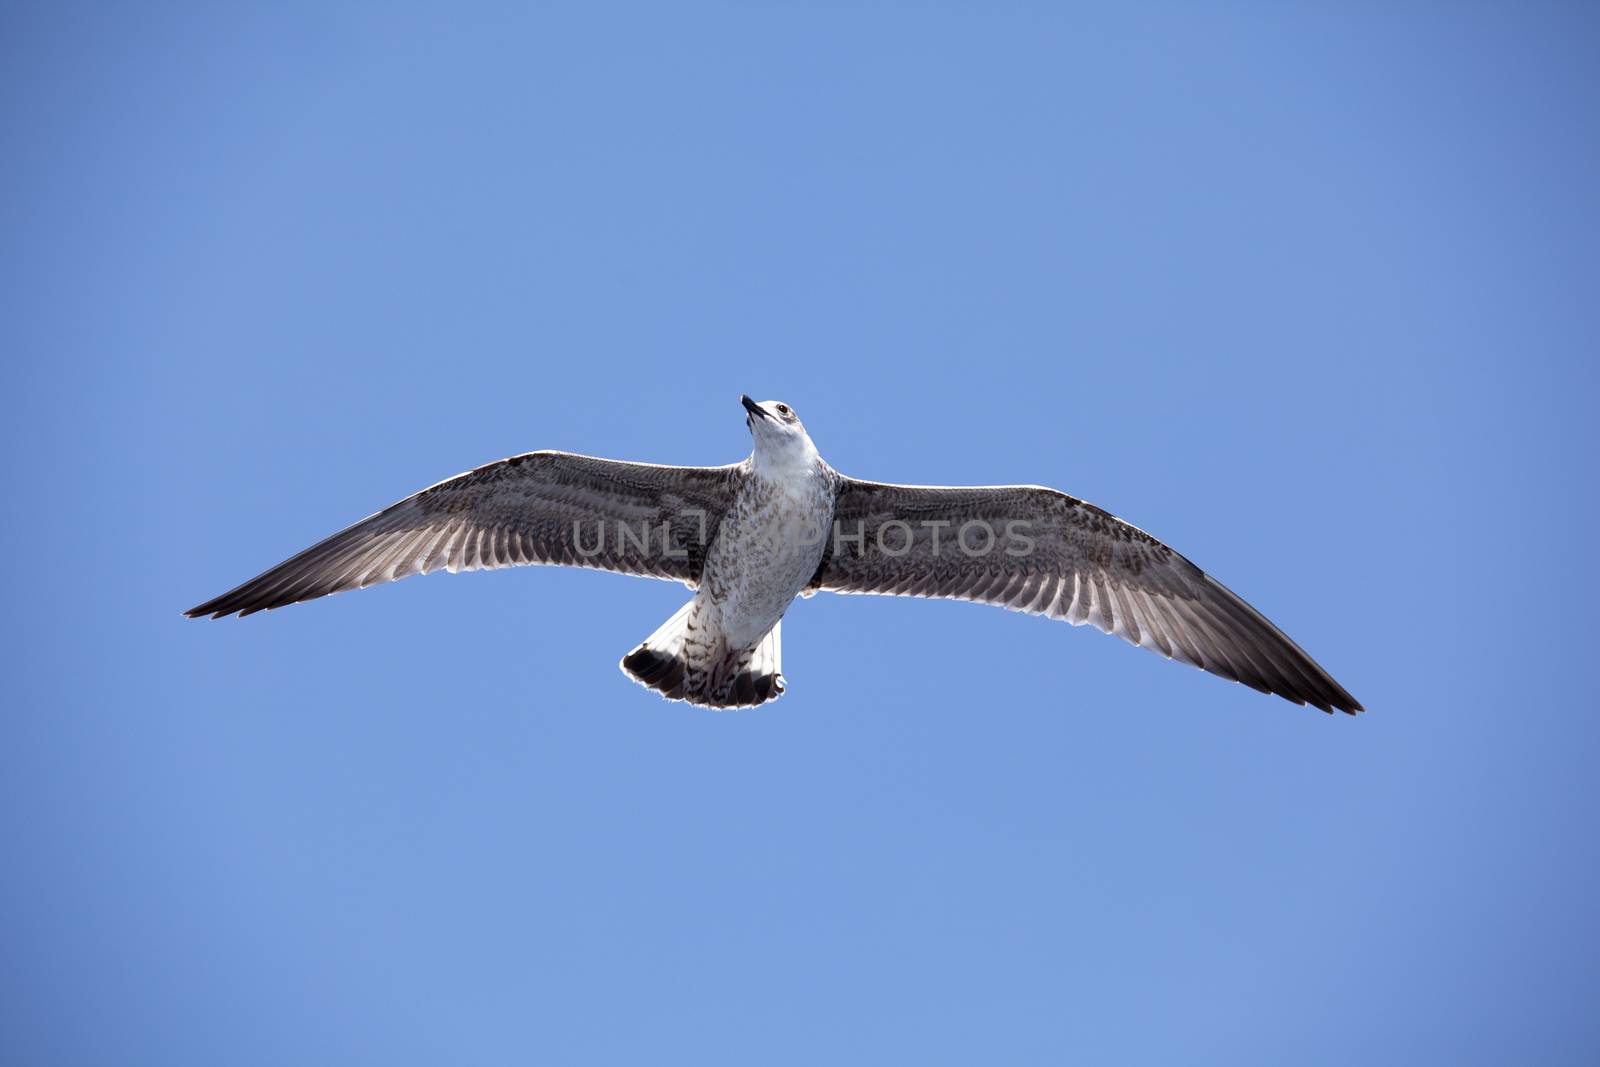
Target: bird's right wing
{"type": "Point", "coordinates": [541, 507]}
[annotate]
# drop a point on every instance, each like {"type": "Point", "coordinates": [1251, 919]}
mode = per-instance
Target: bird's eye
{"type": "Point", "coordinates": [783, 409]}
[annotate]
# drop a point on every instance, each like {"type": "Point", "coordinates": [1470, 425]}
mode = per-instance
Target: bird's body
{"type": "Point", "coordinates": [770, 544]}
{"type": "Point", "coordinates": [750, 537]}
{"type": "Point", "coordinates": [723, 648]}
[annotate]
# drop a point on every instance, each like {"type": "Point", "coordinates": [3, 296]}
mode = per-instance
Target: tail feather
{"type": "Point", "coordinates": [683, 661]}
{"type": "Point", "coordinates": [661, 661]}
{"type": "Point", "coordinates": [658, 670]}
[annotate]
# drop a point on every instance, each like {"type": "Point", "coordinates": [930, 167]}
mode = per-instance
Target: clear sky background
{"type": "Point", "coordinates": [1308, 291]}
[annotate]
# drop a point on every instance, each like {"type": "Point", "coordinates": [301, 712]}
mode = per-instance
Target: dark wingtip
{"type": "Point", "coordinates": [216, 608]}
{"type": "Point", "coordinates": [1339, 701]}
{"type": "Point", "coordinates": [1330, 703]}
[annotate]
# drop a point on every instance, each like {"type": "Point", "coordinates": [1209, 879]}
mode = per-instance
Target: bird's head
{"type": "Point", "coordinates": [780, 438]}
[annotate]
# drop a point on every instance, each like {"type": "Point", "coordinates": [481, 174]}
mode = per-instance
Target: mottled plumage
{"type": "Point", "coordinates": [750, 537]}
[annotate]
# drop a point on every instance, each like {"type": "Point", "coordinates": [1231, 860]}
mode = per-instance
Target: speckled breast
{"type": "Point", "coordinates": [769, 545]}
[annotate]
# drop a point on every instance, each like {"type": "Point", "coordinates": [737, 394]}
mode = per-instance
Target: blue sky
{"type": "Point", "coordinates": [1306, 290]}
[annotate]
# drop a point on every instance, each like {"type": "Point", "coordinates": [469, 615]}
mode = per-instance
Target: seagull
{"type": "Point", "coordinates": [750, 537]}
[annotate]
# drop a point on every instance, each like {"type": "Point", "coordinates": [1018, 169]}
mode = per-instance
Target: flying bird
{"type": "Point", "coordinates": [749, 537]}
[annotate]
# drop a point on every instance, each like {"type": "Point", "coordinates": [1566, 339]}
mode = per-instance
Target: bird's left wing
{"type": "Point", "coordinates": [541, 507]}
{"type": "Point", "coordinates": [1033, 549]}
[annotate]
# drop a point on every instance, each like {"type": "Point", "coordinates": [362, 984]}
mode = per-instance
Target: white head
{"type": "Point", "coordinates": [781, 441]}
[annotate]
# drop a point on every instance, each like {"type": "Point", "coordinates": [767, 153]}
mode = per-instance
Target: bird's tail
{"type": "Point", "coordinates": [685, 660]}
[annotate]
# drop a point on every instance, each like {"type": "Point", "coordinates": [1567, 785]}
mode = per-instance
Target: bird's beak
{"type": "Point", "coordinates": [752, 407]}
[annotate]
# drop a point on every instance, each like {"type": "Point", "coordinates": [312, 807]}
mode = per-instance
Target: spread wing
{"type": "Point", "coordinates": [1033, 549]}
{"type": "Point", "coordinates": [541, 507]}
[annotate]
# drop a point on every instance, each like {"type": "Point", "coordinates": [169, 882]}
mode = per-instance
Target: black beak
{"type": "Point", "coordinates": [752, 407]}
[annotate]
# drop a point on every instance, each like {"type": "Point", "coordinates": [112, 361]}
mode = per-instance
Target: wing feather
{"type": "Point", "coordinates": [1058, 556]}
{"type": "Point", "coordinates": [538, 508]}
